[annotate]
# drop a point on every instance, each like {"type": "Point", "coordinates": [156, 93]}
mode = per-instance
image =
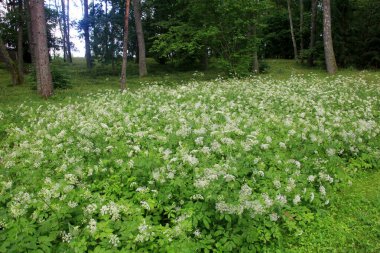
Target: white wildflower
{"type": "Point", "coordinates": [330, 152]}
{"type": "Point", "coordinates": [311, 178]}
{"type": "Point", "coordinates": [322, 190]}
{"type": "Point", "coordinates": [114, 240]}
{"type": "Point", "coordinates": [273, 216]}
{"type": "Point", "coordinates": [145, 205]}
{"type": "Point", "coordinates": [229, 177]}
{"type": "Point", "coordinates": [92, 226]}
{"type": "Point", "coordinates": [197, 233]}
{"type": "Point", "coordinates": [281, 199]}
{"type": "Point", "coordinates": [297, 199]}
{"type": "Point", "coordinates": [199, 141]}
{"type": "Point", "coordinates": [277, 183]}
{"type": "Point", "coordinates": [66, 237]}
{"type": "Point", "coordinates": [197, 197]}
{"type": "Point", "coordinates": [72, 204]}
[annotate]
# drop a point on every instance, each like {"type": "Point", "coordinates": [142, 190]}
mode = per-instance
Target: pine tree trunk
{"type": "Point", "coordinates": [123, 78]}
{"type": "Point", "coordinates": [256, 66]}
{"type": "Point", "coordinates": [106, 31]}
{"type": "Point", "coordinates": [327, 39]}
{"type": "Point", "coordinates": [20, 43]}
{"type": "Point", "coordinates": [140, 38]}
{"type": "Point", "coordinates": [312, 32]}
{"type": "Point", "coordinates": [86, 29]}
{"type": "Point", "coordinates": [11, 65]}
{"type": "Point", "coordinates": [38, 22]}
{"type": "Point", "coordinates": [29, 28]}
{"type": "Point", "coordinates": [292, 31]}
{"type": "Point", "coordinates": [63, 16]}
{"type": "Point", "coordinates": [301, 30]}
{"type": "Point", "coordinates": [69, 57]}
{"type": "Point", "coordinates": [61, 31]}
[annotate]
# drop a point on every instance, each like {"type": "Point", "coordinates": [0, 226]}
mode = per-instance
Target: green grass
{"type": "Point", "coordinates": [351, 224]}
{"type": "Point", "coordinates": [99, 79]}
{"type": "Point", "coordinates": [104, 77]}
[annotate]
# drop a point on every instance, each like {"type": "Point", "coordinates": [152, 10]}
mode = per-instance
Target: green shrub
{"type": "Point", "coordinates": [60, 79]}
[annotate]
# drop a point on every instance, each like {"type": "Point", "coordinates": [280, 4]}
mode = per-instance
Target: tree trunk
{"type": "Point", "coordinates": [255, 67]}
{"type": "Point", "coordinates": [63, 16]}
{"type": "Point", "coordinates": [301, 30]}
{"type": "Point", "coordinates": [140, 38]}
{"type": "Point", "coordinates": [327, 39]}
{"type": "Point", "coordinates": [20, 42]}
{"type": "Point", "coordinates": [292, 31]}
{"type": "Point", "coordinates": [106, 31]}
{"type": "Point", "coordinates": [86, 30]}
{"type": "Point", "coordinates": [312, 32]}
{"type": "Point", "coordinates": [29, 28]}
{"type": "Point", "coordinates": [38, 22]}
{"type": "Point", "coordinates": [10, 64]}
{"type": "Point", "coordinates": [61, 30]}
{"type": "Point", "coordinates": [69, 57]}
{"type": "Point", "coordinates": [125, 48]}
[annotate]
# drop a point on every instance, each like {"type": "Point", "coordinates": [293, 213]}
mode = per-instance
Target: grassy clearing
{"type": "Point", "coordinates": [349, 223]}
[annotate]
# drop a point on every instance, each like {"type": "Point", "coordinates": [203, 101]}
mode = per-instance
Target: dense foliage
{"type": "Point", "coordinates": [187, 33]}
{"type": "Point", "coordinates": [9, 29]}
{"type": "Point", "coordinates": [223, 165]}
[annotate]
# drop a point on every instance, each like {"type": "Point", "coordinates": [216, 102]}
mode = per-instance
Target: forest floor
{"type": "Point", "coordinates": [350, 224]}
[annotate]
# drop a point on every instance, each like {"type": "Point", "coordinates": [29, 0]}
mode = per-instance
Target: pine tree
{"type": "Point", "coordinates": [41, 52]}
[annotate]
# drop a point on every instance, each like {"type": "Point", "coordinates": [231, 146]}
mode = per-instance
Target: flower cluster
{"type": "Point", "coordinates": [162, 164]}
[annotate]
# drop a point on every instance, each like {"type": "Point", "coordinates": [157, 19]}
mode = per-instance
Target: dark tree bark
{"type": "Point", "coordinates": [301, 29]}
{"type": "Point", "coordinates": [69, 57]}
{"type": "Point", "coordinates": [60, 25]}
{"type": "Point", "coordinates": [11, 65]}
{"type": "Point", "coordinates": [20, 42]}
{"type": "Point", "coordinates": [312, 32]}
{"type": "Point", "coordinates": [38, 22]}
{"type": "Point", "coordinates": [29, 28]}
{"type": "Point", "coordinates": [86, 30]}
{"type": "Point", "coordinates": [64, 35]}
{"type": "Point", "coordinates": [123, 78]}
{"type": "Point", "coordinates": [327, 39]}
{"type": "Point", "coordinates": [292, 31]}
{"type": "Point", "coordinates": [255, 67]}
{"type": "Point", "coordinates": [140, 38]}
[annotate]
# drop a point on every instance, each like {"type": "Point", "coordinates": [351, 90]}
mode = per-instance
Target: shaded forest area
{"type": "Point", "coordinates": [236, 36]}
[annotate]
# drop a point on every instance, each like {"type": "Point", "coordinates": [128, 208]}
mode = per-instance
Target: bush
{"type": "Point", "coordinates": [60, 79]}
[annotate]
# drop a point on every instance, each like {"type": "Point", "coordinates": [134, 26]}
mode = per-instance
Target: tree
{"type": "Point", "coordinates": [255, 65]}
{"type": "Point", "coordinates": [313, 29]}
{"type": "Point", "coordinates": [86, 29]}
{"type": "Point", "coordinates": [29, 30]}
{"type": "Point", "coordinates": [64, 34]}
{"type": "Point", "coordinates": [69, 56]}
{"type": "Point", "coordinates": [11, 65]}
{"type": "Point", "coordinates": [327, 39]}
{"type": "Point", "coordinates": [41, 52]}
{"type": "Point", "coordinates": [301, 29]}
{"type": "Point", "coordinates": [123, 80]}
{"type": "Point", "coordinates": [292, 30]}
{"type": "Point", "coordinates": [140, 38]}
{"type": "Point", "coordinates": [20, 43]}
{"type": "Point", "coordinates": [106, 33]}
{"type": "Point", "coordinates": [65, 20]}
